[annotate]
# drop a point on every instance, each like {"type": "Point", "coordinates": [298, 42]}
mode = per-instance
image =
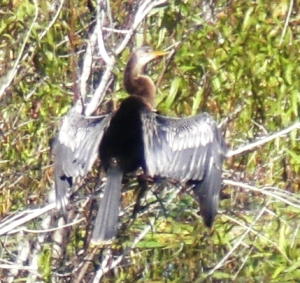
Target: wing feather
{"type": "Point", "coordinates": [180, 148]}
{"type": "Point", "coordinates": [75, 151]}
{"type": "Point", "coordinates": [186, 149]}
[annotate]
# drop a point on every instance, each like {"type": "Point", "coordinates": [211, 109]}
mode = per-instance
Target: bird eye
{"type": "Point", "coordinates": [147, 49]}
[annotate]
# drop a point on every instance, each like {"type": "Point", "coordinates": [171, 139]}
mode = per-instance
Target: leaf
{"type": "Point", "coordinates": [175, 85]}
{"type": "Point", "coordinates": [247, 19]}
{"type": "Point", "coordinates": [196, 101]}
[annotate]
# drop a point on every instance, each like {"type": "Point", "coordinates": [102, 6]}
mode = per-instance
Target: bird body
{"type": "Point", "coordinates": [134, 136]}
{"type": "Point", "coordinates": [123, 138]}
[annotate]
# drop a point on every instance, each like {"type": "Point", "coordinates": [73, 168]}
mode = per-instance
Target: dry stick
{"type": "Point", "coordinates": [88, 260]}
{"type": "Point", "coordinates": [286, 21]}
{"type": "Point", "coordinates": [256, 233]}
{"type": "Point", "coordinates": [20, 267]}
{"type": "Point", "coordinates": [35, 213]}
{"type": "Point", "coordinates": [101, 45]}
{"type": "Point", "coordinates": [37, 248]}
{"type": "Point", "coordinates": [88, 59]}
{"type": "Point", "coordinates": [141, 14]}
{"type": "Point", "coordinates": [244, 260]}
{"type": "Point", "coordinates": [248, 230]}
{"type": "Point", "coordinates": [104, 269]}
{"type": "Point", "coordinates": [11, 73]}
{"type": "Point", "coordinates": [13, 217]}
{"type": "Point", "coordinates": [9, 228]}
{"type": "Point", "coordinates": [110, 61]}
{"type": "Point", "coordinates": [263, 191]}
{"type": "Point", "coordinates": [51, 229]}
{"type": "Point", "coordinates": [113, 30]}
{"type": "Point", "coordinates": [53, 20]}
{"type": "Point", "coordinates": [99, 93]}
{"type": "Point", "coordinates": [87, 64]}
{"type": "Point", "coordinates": [252, 145]}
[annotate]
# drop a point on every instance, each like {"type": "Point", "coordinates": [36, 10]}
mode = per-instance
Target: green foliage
{"type": "Point", "coordinates": [45, 264]}
{"type": "Point", "coordinates": [247, 59]}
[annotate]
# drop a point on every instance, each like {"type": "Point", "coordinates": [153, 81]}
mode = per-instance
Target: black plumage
{"type": "Point", "coordinates": [184, 149]}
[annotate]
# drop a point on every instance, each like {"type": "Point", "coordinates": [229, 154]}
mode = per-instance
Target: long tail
{"type": "Point", "coordinates": [107, 217]}
{"type": "Point", "coordinates": [207, 194]}
{"type": "Point", "coordinates": [207, 191]}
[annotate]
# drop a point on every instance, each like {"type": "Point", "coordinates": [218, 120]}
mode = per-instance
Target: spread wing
{"type": "Point", "coordinates": [75, 151]}
{"type": "Point", "coordinates": [186, 149]}
{"type": "Point", "coordinates": [181, 148]}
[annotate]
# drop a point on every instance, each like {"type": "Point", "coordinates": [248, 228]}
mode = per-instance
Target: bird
{"type": "Point", "coordinates": [189, 149]}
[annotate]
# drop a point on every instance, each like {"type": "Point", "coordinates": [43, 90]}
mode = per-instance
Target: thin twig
{"type": "Point", "coordinates": [7, 229]}
{"type": "Point", "coordinates": [49, 230]}
{"type": "Point", "coordinates": [115, 30]}
{"type": "Point", "coordinates": [142, 12]}
{"type": "Point", "coordinates": [255, 144]}
{"type": "Point", "coordinates": [99, 93]}
{"type": "Point", "coordinates": [87, 64]}
{"type": "Point", "coordinates": [286, 21]}
{"type": "Point", "coordinates": [236, 245]}
{"type": "Point", "coordinates": [101, 45]}
{"type": "Point", "coordinates": [267, 191]}
{"type": "Point", "coordinates": [7, 81]}
{"type": "Point", "coordinates": [53, 20]}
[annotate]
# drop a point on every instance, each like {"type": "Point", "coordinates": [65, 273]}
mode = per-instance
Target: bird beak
{"type": "Point", "coordinates": [158, 53]}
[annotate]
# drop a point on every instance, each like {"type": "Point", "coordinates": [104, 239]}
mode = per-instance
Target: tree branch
{"type": "Point", "coordinates": [262, 141]}
{"type": "Point", "coordinates": [6, 81]}
{"type": "Point", "coordinates": [140, 15]}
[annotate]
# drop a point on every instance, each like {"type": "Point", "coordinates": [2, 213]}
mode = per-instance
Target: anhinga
{"type": "Point", "coordinates": [184, 149]}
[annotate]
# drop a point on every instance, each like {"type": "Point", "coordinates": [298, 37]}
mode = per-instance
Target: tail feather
{"type": "Point", "coordinates": [106, 222]}
{"type": "Point", "coordinates": [207, 191]}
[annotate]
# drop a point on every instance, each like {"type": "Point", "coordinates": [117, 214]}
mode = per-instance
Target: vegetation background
{"type": "Point", "coordinates": [237, 60]}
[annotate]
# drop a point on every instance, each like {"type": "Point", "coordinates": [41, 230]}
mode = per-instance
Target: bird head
{"type": "Point", "coordinates": [141, 57]}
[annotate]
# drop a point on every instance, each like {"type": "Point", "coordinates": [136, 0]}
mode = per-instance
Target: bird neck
{"type": "Point", "coordinates": [136, 83]}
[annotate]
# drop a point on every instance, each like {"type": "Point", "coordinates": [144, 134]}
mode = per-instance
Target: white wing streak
{"type": "Point", "coordinates": [180, 148]}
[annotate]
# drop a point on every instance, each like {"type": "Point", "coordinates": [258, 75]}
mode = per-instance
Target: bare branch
{"type": "Point", "coordinates": [100, 21]}
{"type": "Point", "coordinates": [286, 21]}
{"type": "Point", "coordinates": [6, 81]}
{"type": "Point", "coordinates": [53, 20]}
{"type": "Point", "coordinates": [99, 93]}
{"type": "Point", "coordinates": [142, 12]}
{"type": "Point", "coordinates": [51, 229]}
{"type": "Point", "coordinates": [87, 64]}
{"type": "Point", "coordinates": [239, 242]}
{"type": "Point", "coordinates": [22, 256]}
{"type": "Point", "coordinates": [255, 144]}
{"type": "Point", "coordinates": [281, 195]}
{"type": "Point", "coordinates": [8, 227]}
